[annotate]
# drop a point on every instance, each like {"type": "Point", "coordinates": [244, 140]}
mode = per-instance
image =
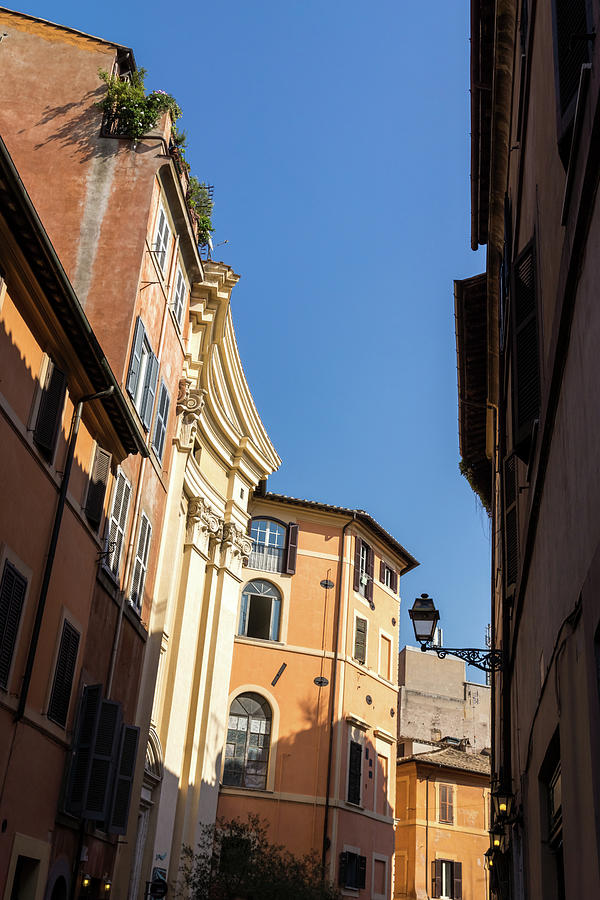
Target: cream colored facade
{"type": "Point", "coordinates": [221, 453]}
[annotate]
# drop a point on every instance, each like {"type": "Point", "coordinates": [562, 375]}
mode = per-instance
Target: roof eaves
{"type": "Point", "coordinates": [91, 37]}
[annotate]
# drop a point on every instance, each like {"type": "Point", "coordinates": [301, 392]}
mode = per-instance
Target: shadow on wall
{"type": "Point", "coordinates": [77, 127]}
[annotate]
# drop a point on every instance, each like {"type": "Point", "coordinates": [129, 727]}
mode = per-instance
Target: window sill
{"type": "Point", "coordinates": [257, 642]}
{"type": "Point", "coordinates": [357, 806]}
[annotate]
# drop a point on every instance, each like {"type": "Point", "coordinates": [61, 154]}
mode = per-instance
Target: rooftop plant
{"type": "Point", "coordinates": [133, 112]}
{"type": "Point", "coordinates": [201, 204]}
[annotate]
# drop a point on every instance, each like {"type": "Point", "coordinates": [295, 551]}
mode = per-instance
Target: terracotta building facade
{"type": "Point", "coordinates": [314, 678]}
{"type": "Point", "coordinates": [529, 427]}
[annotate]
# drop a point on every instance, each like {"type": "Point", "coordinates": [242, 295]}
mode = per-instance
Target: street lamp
{"type": "Point", "coordinates": [502, 802]}
{"type": "Point", "coordinates": [425, 617]}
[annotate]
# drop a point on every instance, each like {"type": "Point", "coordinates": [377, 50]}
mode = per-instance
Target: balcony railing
{"type": "Point", "coordinates": [266, 557]}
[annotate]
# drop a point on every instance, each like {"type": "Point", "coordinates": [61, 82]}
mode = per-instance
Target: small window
{"type": "Point", "coordinates": [162, 238]}
{"type": "Point", "coordinates": [354, 773]}
{"type": "Point", "coordinates": [388, 577]}
{"type": "Point", "coordinates": [62, 684]}
{"type": "Point", "coordinates": [12, 596]}
{"type": "Point", "coordinates": [446, 879]}
{"type": "Point", "coordinates": [363, 569]}
{"type": "Point", "coordinates": [142, 375]}
{"type": "Point", "coordinates": [160, 425]}
{"type": "Point", "coordinates": [117, 523]}
{"type": "Point", "coordinates": [260, 611]}
{"type": "Point", "coordinates": [179, 295]}
{"type": "Point", "coordinates": [360, 640]}
{"type": "Point", "coordinates": [268, 545]}
{"type": "Point", "coordinates": [248, 742]}
{"type": "Point", "coordinates": [140, 567]}
{"type": "Point", "coordinates": [446, 804]}
{"type": "Point", "coordinates": [353, 871]}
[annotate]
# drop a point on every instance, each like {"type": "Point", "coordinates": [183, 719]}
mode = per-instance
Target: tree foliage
{"type": "Point", "coordinates": [236, 861]}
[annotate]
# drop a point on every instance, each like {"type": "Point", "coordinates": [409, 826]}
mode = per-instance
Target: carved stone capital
{"type": "Point", "coordinates": [237, 540]}
{"type": "Point", "coordinates": [202, 520]}
{"type": "Point", "coordinates": [190, 401]}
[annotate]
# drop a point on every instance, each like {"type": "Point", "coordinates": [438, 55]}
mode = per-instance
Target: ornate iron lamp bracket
{"type": "Point", "coordinates": [486, 660]}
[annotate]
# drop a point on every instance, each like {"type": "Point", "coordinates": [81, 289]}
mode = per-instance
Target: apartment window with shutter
{"type": "Point", "coordinates": [12, 597]}
{"type": "Point", "coordinates": [140, 566]}
{"type": "Point", "coordinates": [160, 425]}
{"type": "Point", "coordinates": [162, 238]}
{"type": "Point", "coordinates": [446, 879]}
{"type": "Point", "coordinates": [94, 503]}
{"type": "Point", "coordinates": [526, 387]}
{"type": "Point", "coordinates": [142, 376]}
{"type": "Point", "coordinates": [353, 871]}
{"type": "Point", "coordinates": [354, 772]}
{"type": "Point", "coordinates": [360, 640]}
{"type": "Point", "coordinates": [125, 770]}
{"type": "Point", "coordinates": [572, 49]}
{"type": "Point", "coordinates": [117, 523]}
{"type": "Point", "coordinates": [52, 402]}
{"type": "Point", "coordinates": [274, 546]}
{"type": "Point", "coordinates": [446, 804]}
{"type": "Point", "coordinates": [364, 564]}
{"type": "Point", "coordinates": [388, 577]}
{"type": "Point", "coordinates": [179, 295]}
{"type": "Point", "coordinates": [62, 683]}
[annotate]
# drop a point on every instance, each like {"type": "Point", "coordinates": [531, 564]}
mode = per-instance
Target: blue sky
{"type": "Point", "coordinates": [336, 135]}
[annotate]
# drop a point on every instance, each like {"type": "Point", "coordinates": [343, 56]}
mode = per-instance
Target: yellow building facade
{"type": "Point", "coordinates": [442, 821]}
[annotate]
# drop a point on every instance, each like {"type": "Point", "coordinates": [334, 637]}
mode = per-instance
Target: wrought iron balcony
{"type": "Point", "coordinates": [266, 557]}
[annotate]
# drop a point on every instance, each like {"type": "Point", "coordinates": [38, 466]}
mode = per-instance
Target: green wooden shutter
{"type": "Point", "coordinates": [94, 504]}
{"type": "Point", "coordinates": [62, 684]}
{"type": "Point", "coordinates": [360, 640]}
{"type": "Point", "coordinates": [149, 392]}
{"type": "Point", "coordinates": [136, 357]}
{"type": "Point", "coordinates": [50, 411]}
{"type": "Point", "coordinates": [121, 799]}
{"type": "Point", "coordinates": [12, 596]}
{"type": "Point", "coordinates": [354, 772]}
{"type": "Point", "coordinates": [160, 425]}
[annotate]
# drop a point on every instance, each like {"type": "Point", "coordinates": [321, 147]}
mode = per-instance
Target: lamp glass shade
{"type": "Point", "coordinates": [489, 859]}
{"type": "Point", "coordinates": [424, 617]}
{"type": "Point", "coordinates": [86, 881]}
{"type": "Point", "coordinates": [503, 803]}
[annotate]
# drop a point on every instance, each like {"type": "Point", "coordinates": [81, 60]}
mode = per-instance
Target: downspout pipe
{"type": "Point", "coordinates": [336, 647]}
{"type": "Point", "coordinates": [62, 497]}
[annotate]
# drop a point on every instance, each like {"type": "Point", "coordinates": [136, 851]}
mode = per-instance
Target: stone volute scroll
{"type": "Point", "coordinates": [203, 524]}
{"type": "Point", "coordinates": [190, 402]}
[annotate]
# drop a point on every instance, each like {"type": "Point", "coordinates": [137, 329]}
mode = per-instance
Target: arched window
{"type": "Point", "coordinates": [248, 740]}
{"type": "Point", "coordinates": [268, 545]}
{"type": "Point", "coordinates": [260, 611]}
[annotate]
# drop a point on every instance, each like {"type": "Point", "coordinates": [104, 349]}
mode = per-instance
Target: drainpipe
{"type": "Point", "coordinates": [427, 835]}
{"type": "Point", "coordinates": [336, 648]}
{"type": "Point", "coordinates": [62, 497]}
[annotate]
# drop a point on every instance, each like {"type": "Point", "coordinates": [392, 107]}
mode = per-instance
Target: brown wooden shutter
{"type": "Point", "coordinates": [360, 640]}
{"type": "Point", "coordinates": [394, 582]}
{"type": "Point", "coordinates": [83, 745]}
{"type": "Point", "coordinates": [436, 877]}
{"type": "Point", "coordinates": [362, 872]}
{"type": "Point", "coordinates": [357, 548]}
{"type": "Point", "coordinates": [342, 872]}
{"type": "Point", "coordinates": [457, 879]}
{"type": "Point", "coordinates": [62, 684]}
{"type": "Point", "coordinates": [511, 521]}
{"type": "Point", "coordinates": [50, 411]}
{"type": "Point", "coordinates": [94, 504]}
{"type": "Point", "coordinates": [103, 762]}
{"type": "Point", "coordinates": [354, 772]}
{"type": "Point", "coordinates": [12, 596]}
{"type": "Point", "coordinates": [370, 573]}
{"type": "Point", "coordinates": [121, 799]}
{"type": "Point", "coordinates": [382, 568]}
{"type": "Point", "coordinates": [525, 363]}
{"type": "Point", "coordinates": [292, 549]}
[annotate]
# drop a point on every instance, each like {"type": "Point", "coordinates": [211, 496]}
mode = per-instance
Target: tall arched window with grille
{"type": "Point", "coordinates": [268, 545]}
{"type": "Point", "coordinates": [248, 742]}
{"type": "Point", "coordinates": [260, 611]}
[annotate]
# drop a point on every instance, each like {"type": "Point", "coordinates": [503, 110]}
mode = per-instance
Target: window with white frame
{"type": "Point", "coordinates": [117, 523]}
{"type": "Point", "coordinates": [260, 611]}
{"type": "Point", "coordinates": [142, 376]}
{"type": "Point", "coordinates": [446, 879]}
{"type": "Point", "coordinates": [140, 566]}
{"type": "Point", "coordinates": [162, 238]}
{"type": "Point", "coordinates": [268, 545]}
{"type": "Point", "coordinates": [179, 294]}
{"type": "Point", "coordinates": [248, 742]}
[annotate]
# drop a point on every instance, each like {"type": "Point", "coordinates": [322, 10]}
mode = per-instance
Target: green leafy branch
{"type": "Point", "coordinates": [132, 112]}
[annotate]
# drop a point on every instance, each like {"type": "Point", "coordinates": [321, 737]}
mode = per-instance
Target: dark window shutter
{"type": "Point", "coordinates": [360, 640]}
{"type": "Point", "coordinates": [12, 596]}
{"type": "Point", "coordinates": [342, 873]}
{"type": "Point", "coordinates": [49, 414]}
{"type": "Point", "coordinates": [362, 872]}
{"type": "Point", "coordinates": [94, 503]}
{"type": "Point", "coordinates": [457, 879]}
{"type": "Point", "coordinates": [354, 772]}
{"type": "Point", "coordinates": [511, 522]}
{"type": "Point", "coordinates": [526, 365]}
{"type": "Point", "coordinates": [136, 357]}
{"type": "Point", "coordinates": [394, 582]}
{"type": "Point", "coordinates": [382, 568]}
{"type": "Point", "coordinates": [292, 549]}
{"type": "Point", "coordinates": [162, 416]}
{"type": "Point", "coordinates": [85, 738]}
{"type": "Point", "coordinates": [436, 878]}
{"type": "Point", "coordinates": [572, 52]}
{"type": "Point", "coordinates": [370, 573]}
{"type": "Point", "coordinates": [121, 800]}
{"type": "Point", "coordinates": [357, 547]}
{"type": "Point", "coordinates": [149, 391]}
{"type": "Point", "coordinates": [60, 695]}
{"type": "Point", "coordinates": [103, 762]}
